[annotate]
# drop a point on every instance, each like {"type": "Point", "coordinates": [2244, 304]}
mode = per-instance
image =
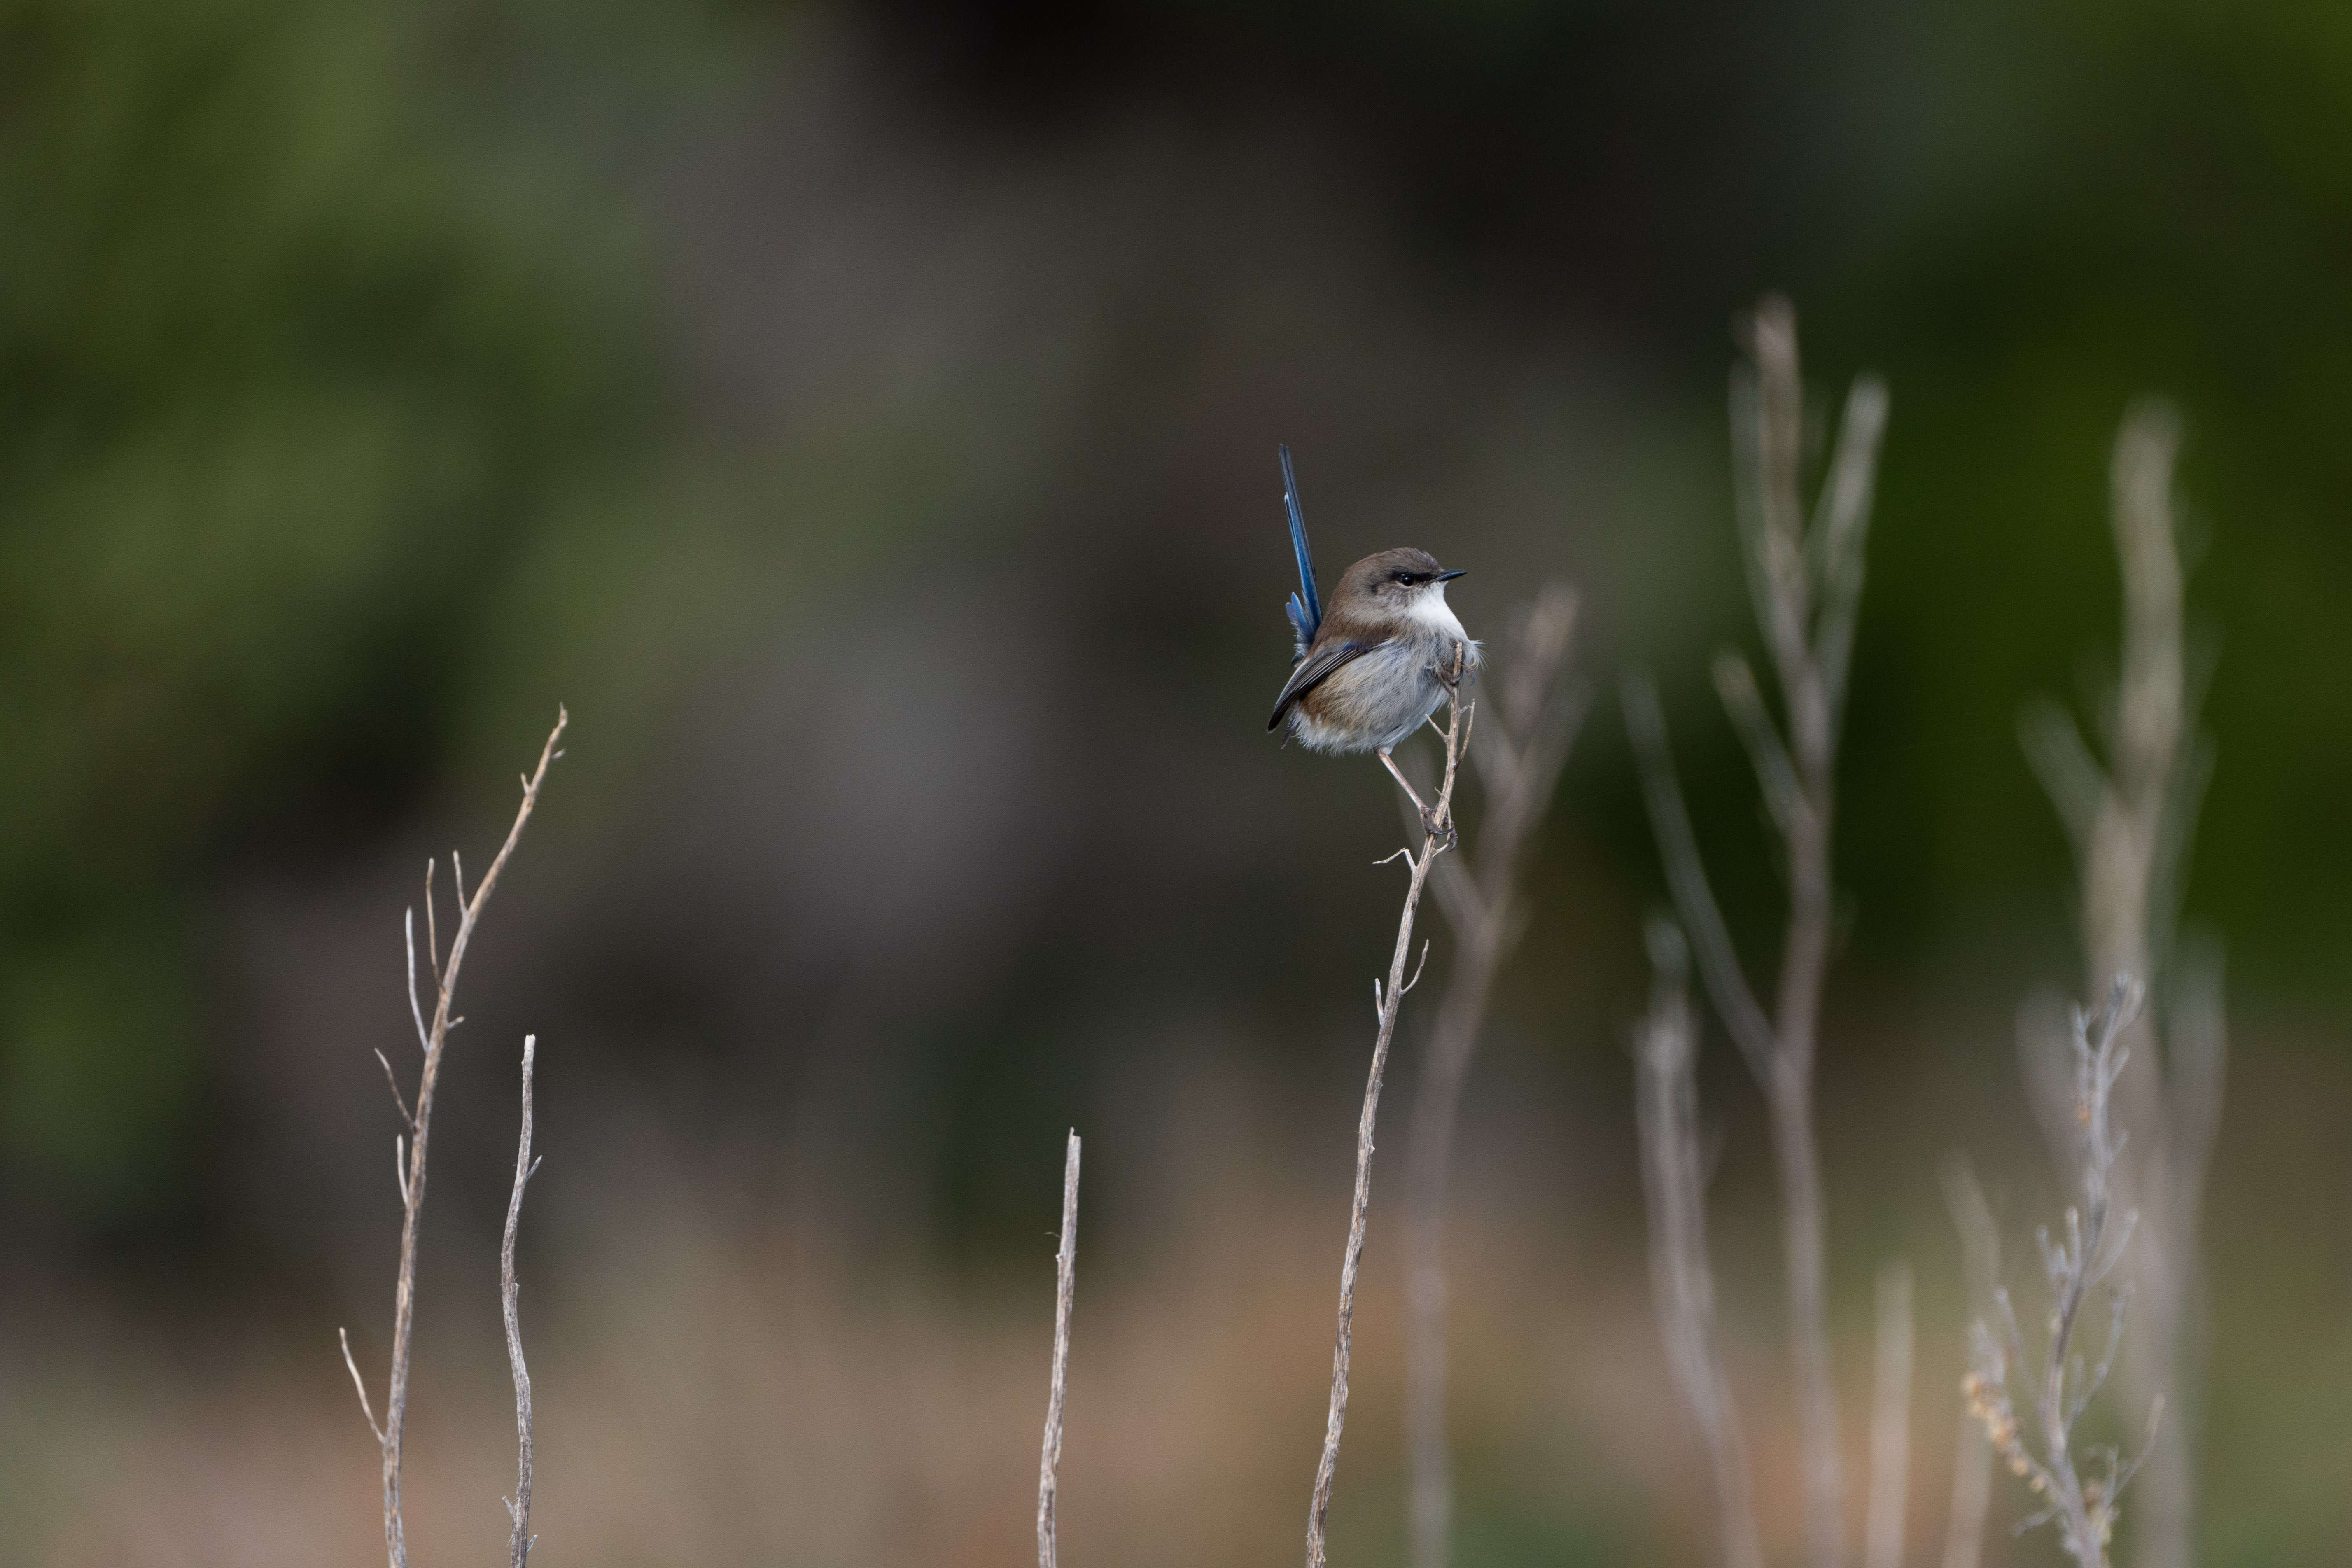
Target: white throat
{"type": "Point", "coordinates": [1429, 609]}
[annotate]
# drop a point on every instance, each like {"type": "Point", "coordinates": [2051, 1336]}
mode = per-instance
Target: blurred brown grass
{"type": "Point", "coordinates": [726, 1376]}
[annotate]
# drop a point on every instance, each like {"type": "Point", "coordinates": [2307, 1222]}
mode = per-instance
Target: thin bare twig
{"type": "Point", "coordinates": [1523, 749]}
{"type": "Point", "coordinates": [354, 1367]}
{"type": "Point", "coordinates": [1065, 1274]}
{"type": "Point", "coordinates": [1805, 581]}
{"type": "Point", "coordinates": [1435, 842]}
{"type": "Point", "coordinates": [1890, 1421]}
{"type": "Point", "coordinates": [412, 1151]}
{"type": "Point", "coordinates": [1971, 1453]}
{"type": "Point", "coordinates": [393, 1084]}
{"type": "Point", "coordinates": [519, 1542]}
{"type": "Point", "coordinates": [1682, 1283]}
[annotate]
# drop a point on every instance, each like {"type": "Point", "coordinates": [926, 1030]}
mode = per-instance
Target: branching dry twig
{"type": "Point", "coordinates": [2131, 823]}
{"type": "Point", "coordinates": [1066, 1271]}
{"type": "Point", "coordinates": [1435, 842]}
{"type": "Point", "coordinates": [2084, 1508]}
{"type": "Point", "coordinates": [1805, 580]}
{"type": "Point", "coordinates": [510, 1300]}
{"type": "Point", "coordinates": [1520, 752]}
{"type": "Point", "coordinates": [1682, 1283]}
{"type": "Point", "coordinates": [410, 1149]}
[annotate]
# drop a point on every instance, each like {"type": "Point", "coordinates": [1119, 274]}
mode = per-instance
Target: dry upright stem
{"type": "Point", "coordinates": [1387, 1000]}
{"type": "Point", "coordinates": [1890, 1421]}
{"type": "Point", "coordinates": [410, 1151]}
{"type": "Point", "coordinates": [2131, 823]}
{"type": "Point", "coordinates": [1682, 1284]}
{"type": "Point", "coordinates": [1971, 1453]}
{"type": "Point", "coordinates": [1521, 753]}
{"type": "Point", "coordinates": [1065, 1269]}
{"type": "Point", "coordinates": [509, 1295]}
{"type": "Point", "coordinates": [2084, 1507]}
{"type": "Point", "coordinates": [1805, 580]}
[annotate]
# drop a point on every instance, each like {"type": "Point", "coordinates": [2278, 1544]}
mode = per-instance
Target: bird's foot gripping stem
{"type": "Point", "coordinates": [1449, 676]}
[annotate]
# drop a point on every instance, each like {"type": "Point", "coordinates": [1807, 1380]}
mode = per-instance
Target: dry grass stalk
{"type": "Point", "coordinates": [1971, 1453]}
{"type": "Point", "coordinates": [1520, 752]}
{"type": "Point", "coordinates": [1682, 1283]}
{"type": "Point", "coordinates": [510, 1300]}
{"type": "Point", "coordinates": [1386, 1000]}
{"type": "Point", "coordinates": [409, 1151]}
{"type": "Point", "coordinates": [2131, 823]}
{"type": "Point", "coordinates": [1065, 1271]}
{"type": "Point", "coordinates": [1805, 579]}
{"type": "Point", "coordinates": [1890, 1421]}
{"type": "Point", "coordinates": [2084, 1508]}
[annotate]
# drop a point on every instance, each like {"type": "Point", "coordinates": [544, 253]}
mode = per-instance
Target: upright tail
{"type": "Point", "coordinates": [1306, 607]}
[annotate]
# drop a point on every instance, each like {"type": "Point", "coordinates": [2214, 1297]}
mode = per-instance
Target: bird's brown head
{"type": "Point", "coordinates": [1387, 585]}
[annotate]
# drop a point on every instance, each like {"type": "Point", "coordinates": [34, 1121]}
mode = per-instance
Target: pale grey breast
{"type": "Point", "coordinates": [1376, 699]}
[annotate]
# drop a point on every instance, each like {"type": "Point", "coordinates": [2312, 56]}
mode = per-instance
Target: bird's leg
{"type": "Point", "coordinates": [1404, 783]}
{"type": "Point", "coordinates": [1429, 823]}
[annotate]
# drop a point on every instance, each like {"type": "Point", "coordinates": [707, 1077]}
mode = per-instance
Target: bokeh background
{"type": "Point", "coordinates": [863, 416]}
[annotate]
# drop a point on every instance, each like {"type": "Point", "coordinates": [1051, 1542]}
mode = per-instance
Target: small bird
{"type": "Point", "coordinates": [1374, 669]}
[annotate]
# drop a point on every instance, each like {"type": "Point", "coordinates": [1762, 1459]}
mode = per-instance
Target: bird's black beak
{"type": "Point", "coordinates": [1449, 576]}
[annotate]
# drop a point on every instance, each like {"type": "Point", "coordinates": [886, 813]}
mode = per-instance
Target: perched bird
{"type": "Point", "coordinates": [1373, 670]}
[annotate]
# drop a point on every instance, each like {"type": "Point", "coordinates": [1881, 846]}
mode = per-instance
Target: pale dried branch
{"type": "Point", "coordinates": [2131, 819]}
{"type": "Point", "coordinates": [2070, 775]}
{"type": "Point", "coordinates": [1520, 769]}
{"type": "Point", "coordinates": [408, 931]}
{"type": "Point", "coordinates": [1694, 906]}
{"type": "Point", "coordinates": [360, 1386]}
{"type": "Point", "coordinates": [1682, 1282]}
{"type": "Point", "coordinates": [1806, 585]}
{"type": "Point", "coordinates": [1776, 776]}
{"type": "Point", "coordinates": [1767, 443]}
{"type": "Point", "coordinates": [519, 1542]}
{"type": "Point", "coordinates": [1890, 1421]}
{"type": "Point", "coordinates": [432, 937]}
{"type": "Point", "coordinates": [1971, 1453]}
{"type": "Point", "coordinates": [409, 1153]}
{"type": "Point", "coordinates": [1440, 838]}
{"type": "Point", "coordinates": [2084, 1507]}
{"type": "Point", "coordinates": [393, 1084]}
{"type": "Point", "coordinates": [1840, 530]}
{"type": "Point", "coordinates": [1066, 1274]}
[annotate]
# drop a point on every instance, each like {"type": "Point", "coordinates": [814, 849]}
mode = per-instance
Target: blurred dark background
{"type": "Point", "coordinates": [863, 416]}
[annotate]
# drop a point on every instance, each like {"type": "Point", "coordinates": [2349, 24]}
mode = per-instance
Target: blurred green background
{"type": "Point", "coordinates": [864, 415]}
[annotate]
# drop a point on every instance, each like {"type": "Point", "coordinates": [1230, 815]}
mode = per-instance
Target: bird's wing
{"type": "Point", "coordinates": [1310, 670]}
{"type": "Point", "coordinates": [1306, 607]}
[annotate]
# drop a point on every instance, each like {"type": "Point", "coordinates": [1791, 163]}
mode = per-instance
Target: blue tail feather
{"type": "Point", "coordinates": [1306, 607]}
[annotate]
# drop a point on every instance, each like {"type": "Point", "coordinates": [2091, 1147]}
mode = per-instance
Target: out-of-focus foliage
{"type": "Point", "coordinates": [2024, 215]}
{"type": "Point", "coordinates": [284, 373]}
{"type": "Point", "coordinates": [325, 415]}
